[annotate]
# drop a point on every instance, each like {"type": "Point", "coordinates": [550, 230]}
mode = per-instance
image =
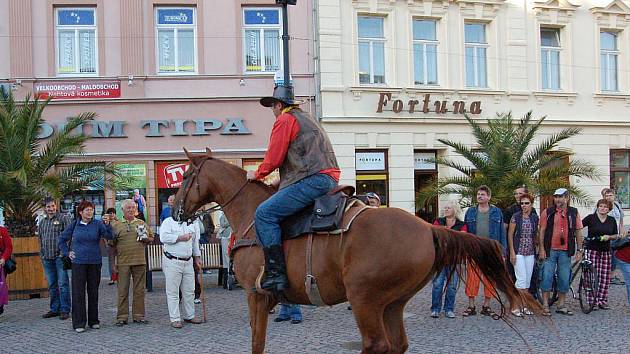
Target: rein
{"type": "Point", "coordinates": [211, 210]}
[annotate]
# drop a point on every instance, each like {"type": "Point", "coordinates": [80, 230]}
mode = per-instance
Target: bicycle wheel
{"type": "Point", "coordinates": [587, 289]}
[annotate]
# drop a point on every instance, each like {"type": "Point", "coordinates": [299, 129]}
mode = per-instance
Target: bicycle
{"type": "Point", "coordinates": [587, 287]}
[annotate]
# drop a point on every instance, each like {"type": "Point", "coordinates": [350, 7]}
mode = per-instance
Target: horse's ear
{"type": "Point", "coordinates": [208, 152]}
{"type": "Point", "coordinates": [188, 154]}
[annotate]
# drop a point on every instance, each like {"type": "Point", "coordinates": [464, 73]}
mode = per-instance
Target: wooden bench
{"type": "Point", "coordinates": [211, 258]}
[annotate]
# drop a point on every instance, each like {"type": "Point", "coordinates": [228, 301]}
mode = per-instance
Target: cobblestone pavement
{"type": "Point", "coordinates": [325, 330]}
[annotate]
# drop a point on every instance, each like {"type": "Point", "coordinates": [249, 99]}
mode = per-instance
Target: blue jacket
{"type": "Point", "coordinates": [85, 241]}
{"type": "Point", "coordinates": [496, 230]}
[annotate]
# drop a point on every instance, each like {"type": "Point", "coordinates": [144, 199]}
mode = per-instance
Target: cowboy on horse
{"type": "Point", "coordinates": [300, 148]}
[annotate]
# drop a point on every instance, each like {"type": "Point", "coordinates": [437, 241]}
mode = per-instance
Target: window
{"type": "Point", "coordinates": [609, 54]}
{"type": "Point", "coordinates": [371, 50]}
{"type": "Point", "coordinates": [550, 58]}
{"type": "Point", "coordinates": [76, 49]}
{"type": "Point", "coordinates": [476, 47]}
{"type": "Point", "coordinates": [371, 173]}
{"type": "Point", "coordinates": [620, 175]}
{"type": "Point", "coordinates": [176, 40]}
{"type": "Point", "coordinates": [424, 52]}
{"type": "Point", "coordinates": [262, 30]}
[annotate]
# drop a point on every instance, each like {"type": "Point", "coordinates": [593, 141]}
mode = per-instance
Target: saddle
{"type": "Point", "coordinates": [325, 215]}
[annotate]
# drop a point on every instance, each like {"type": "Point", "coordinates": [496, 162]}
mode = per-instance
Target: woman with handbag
{"type": "Point", "coordinates": [6, 249]}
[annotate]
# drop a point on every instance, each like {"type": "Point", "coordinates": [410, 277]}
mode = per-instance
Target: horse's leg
{"type": "Point", "coordinates": [259, 307]}
{"type": "Point", "coordinates": [369, 318]}
{"type": "Point", "coordinates": [395, 327]}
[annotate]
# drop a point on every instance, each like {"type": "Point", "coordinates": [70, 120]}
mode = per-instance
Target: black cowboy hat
{"type": "Point", "coordinates": [281, 93]}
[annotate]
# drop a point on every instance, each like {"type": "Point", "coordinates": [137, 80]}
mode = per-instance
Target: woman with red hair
{"type": "Point", "coordinates": [80, 243]}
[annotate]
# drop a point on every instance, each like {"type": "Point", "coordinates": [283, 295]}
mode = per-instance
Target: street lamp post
{"type": "Point", "coordinates": [285, 39]}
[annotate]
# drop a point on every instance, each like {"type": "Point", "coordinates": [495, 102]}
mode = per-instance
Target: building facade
{"type": "Point", "coordinates": [161, 75]}
{"type": "Point", "coordinates": [396, 76]}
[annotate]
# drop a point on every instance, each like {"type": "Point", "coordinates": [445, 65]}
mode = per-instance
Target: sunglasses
{"type": "Point", "coordinates": [526, 203]}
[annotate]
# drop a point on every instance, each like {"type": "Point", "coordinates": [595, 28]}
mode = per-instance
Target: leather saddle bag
{"type": "Point", "coordinates": [328, 212]}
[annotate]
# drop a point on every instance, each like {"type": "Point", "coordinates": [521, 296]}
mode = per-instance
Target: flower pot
{"type": "Point", "coordinates": [29, 280]}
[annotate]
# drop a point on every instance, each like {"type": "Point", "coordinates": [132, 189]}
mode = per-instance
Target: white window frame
{"type": "Point", "coordinates": [370, 41]}
{"type": "Point", "coordinates": [77, 55]}
{"type": "Point", "coordinates": [175, 28]}
{"type": "Point", "coordinates": [547, 50]}
{"type": "Point", "coordinates": [608, 53]}
{"type": "Point", "coordinates": [475, 46]}
{"type": "Point", "coordinates": [261, 40]}
{"type": "Point", "coordinates": [424, 43]}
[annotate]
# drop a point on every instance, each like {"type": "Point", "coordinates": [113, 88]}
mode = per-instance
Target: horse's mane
{"type": "Point", "coordinates": [241, 172]}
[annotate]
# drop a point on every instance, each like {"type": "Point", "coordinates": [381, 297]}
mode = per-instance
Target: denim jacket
{"type": "Point", "coordinates": [495, 229]}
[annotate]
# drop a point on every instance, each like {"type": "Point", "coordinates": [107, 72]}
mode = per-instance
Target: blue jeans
{"type": "Point", "coordinates": [438, 290]}
{"type": "Point", "coordinates": [287, 202]}
{"type": "Point", "coordinates": [625, 269]}
{"type": "Point", "coordinates": [290, 310]}
{"type": "Point", "coordinates": [561, 261]}
{"type": "Point", "coordinates": [58, 285]}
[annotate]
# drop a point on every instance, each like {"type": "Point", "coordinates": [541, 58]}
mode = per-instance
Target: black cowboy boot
{"type": "Point", "coordinates": [276, 271]}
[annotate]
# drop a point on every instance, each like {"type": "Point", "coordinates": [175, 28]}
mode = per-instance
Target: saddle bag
{"type": "Point", "coordinates": [328, 212]}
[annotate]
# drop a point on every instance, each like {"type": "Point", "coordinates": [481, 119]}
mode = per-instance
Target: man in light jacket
{"type": "Point", "coordinates": [181, 256]}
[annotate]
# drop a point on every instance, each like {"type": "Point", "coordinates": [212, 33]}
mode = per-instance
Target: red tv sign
{"type": "Point", "coordinates": [171, 175]}
{"type": "Point", "coordinates": [78, 89]}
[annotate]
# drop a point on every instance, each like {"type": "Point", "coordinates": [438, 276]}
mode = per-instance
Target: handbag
{"type": "Point", "coordinates": [620, 243]}
{"type": "Point", "coordinates": [10, 265]}
{"type": "Point", "coordinates": [65, 260]}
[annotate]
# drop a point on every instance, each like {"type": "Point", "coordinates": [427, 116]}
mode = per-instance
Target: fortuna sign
{"type": "Point", "coordinates": [439, 107]}
{"type": "Point", "coordinates": [155, 128]}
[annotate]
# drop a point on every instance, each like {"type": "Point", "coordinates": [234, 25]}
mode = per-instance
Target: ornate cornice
{"type": "Point", "coordinates": [479, 9]}
{"type": "Point", "coordinates": [557, 12]}
{"type": "Point", "coordinates": [614, 15]}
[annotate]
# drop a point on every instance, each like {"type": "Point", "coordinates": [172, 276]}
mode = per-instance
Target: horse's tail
{"type": "Point", "coordinates": [454, 248]}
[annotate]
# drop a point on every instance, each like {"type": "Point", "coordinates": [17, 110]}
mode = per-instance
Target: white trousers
{"type": "Point", "coordinates": [523, 269]}
{"type": "Point", "coordinates": [179, 275]}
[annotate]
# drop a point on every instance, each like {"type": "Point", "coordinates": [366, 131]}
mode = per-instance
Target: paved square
{"type": "Point", "coordinates": [324, 330]}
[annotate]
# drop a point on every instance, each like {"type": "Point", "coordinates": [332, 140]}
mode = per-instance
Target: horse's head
{"type": "Point", "coordinates": [195, 190]}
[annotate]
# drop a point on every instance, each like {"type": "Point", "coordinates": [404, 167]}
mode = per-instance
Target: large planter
{"type": "Point", "coordinates": [29, 280]}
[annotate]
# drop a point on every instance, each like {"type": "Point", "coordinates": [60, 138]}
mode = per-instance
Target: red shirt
{"type": "Point", "coordinates": [463, 229]}
{"type": "Point", "coordinates": [559, 237]}
{"type": "Point", "coordinates": [6, 245]}
{"type": "Point", "coordinates": [285, 130]}
{"type": "Point", "coordinates": [623, 254]}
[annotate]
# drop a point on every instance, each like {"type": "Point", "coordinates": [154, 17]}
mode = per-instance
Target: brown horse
{"type": "Point", "coordinates": [378, 265]}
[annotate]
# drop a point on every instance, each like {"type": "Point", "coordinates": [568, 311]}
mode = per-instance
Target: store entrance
{"type": "Point", "coordinates": [429, 211]}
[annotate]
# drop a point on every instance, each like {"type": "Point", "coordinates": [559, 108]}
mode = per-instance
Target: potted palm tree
{"type": "Point", "coordinates": [30, 170]}
{"type": "Point", "coordinates": [505, 156]}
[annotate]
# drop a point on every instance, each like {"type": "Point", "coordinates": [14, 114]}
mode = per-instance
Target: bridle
{"type": "Point", "coordinates": [195, 177]}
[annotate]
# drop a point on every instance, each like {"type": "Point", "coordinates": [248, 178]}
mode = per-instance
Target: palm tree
{"type": "Point", "coordinates": [30, 168]}
{"type": "Point", "coordinates": [507, 158]}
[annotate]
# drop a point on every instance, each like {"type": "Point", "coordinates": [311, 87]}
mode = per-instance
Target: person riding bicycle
{"type": "Point", "coordinates": [560, 231]}
{"type": "Point", "coordinates": [308, 169]}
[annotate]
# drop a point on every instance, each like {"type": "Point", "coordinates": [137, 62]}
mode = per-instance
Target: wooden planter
{"type": "Point", "coordinates": [29, 280]}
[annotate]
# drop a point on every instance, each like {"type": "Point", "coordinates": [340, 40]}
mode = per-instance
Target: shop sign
{"type": "Point", "coordinates": [181, 16]}
{"type": "Point", "coordinates": [421, 161]}
{"type": "Point", "coordinates": [370, 161]}
{"type": "Point", "coordinates": [155, 128]}
{"type": "Point", "coordinates": [171, 175]}
{"type": "Point", "coordinates": [77, 89]}
{"type": "Point", "coordinates": [426, 106]}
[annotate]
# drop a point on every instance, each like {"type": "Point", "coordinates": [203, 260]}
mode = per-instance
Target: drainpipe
{"type": "Point", "coordinates": [317, 67]}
